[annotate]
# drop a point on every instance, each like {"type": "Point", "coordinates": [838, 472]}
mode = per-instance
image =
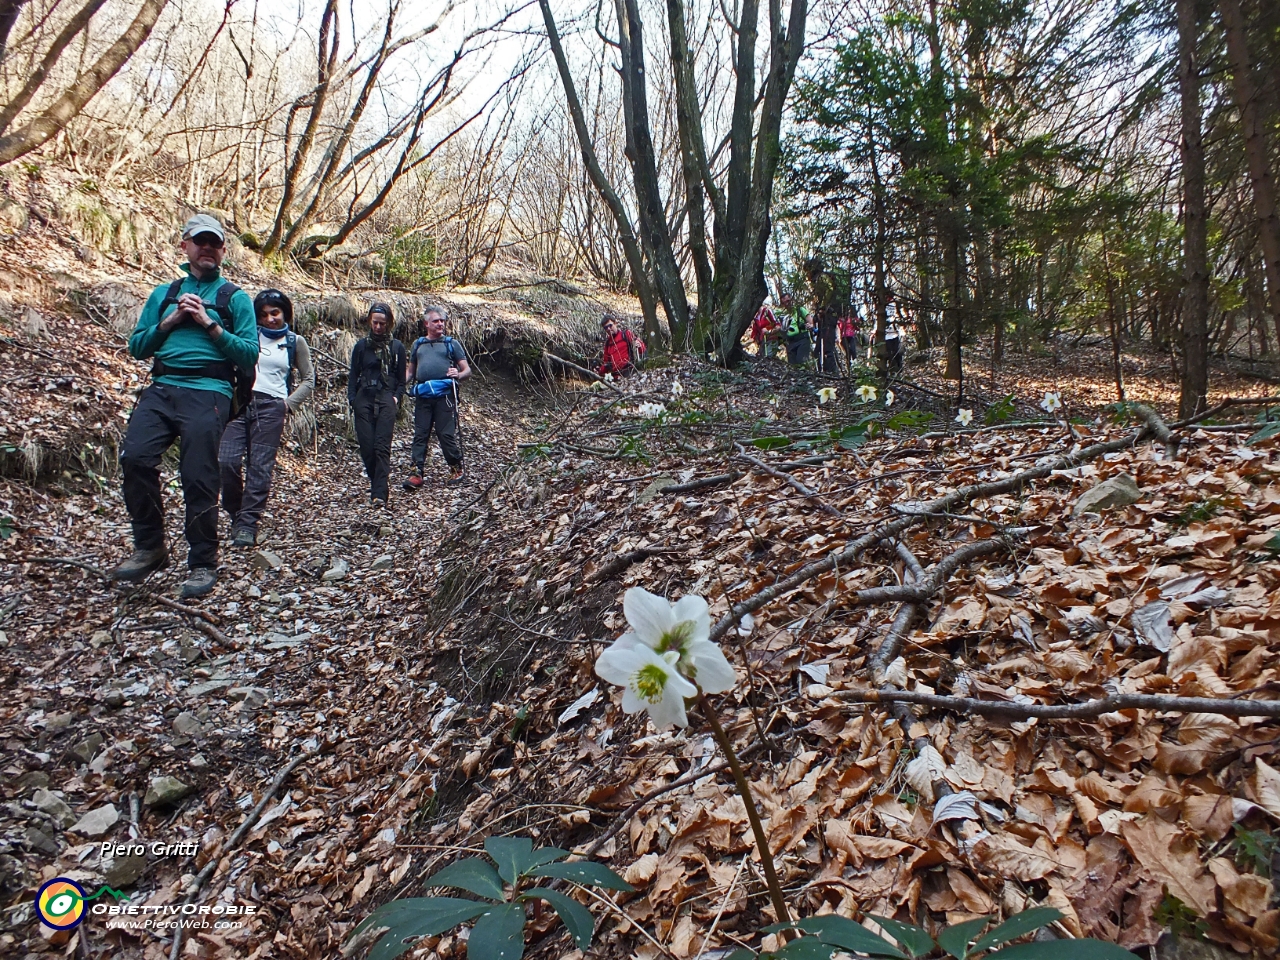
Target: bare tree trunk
{"type": "Point", "coordinates": [1117, 367]}
{"type": "Point", "coordinates": [9, 10]}
{"type": "Point", "coordinates": [35, 80]}
{"type": "Point", "coordinates": [786, 44]}
{"type": "Point", "coordinates": [1195, 319]}
{"type": "Point", "coordinates": [692, 157]}
{"type": "Point", "coordinates": [651, 212]}
{"type": "Point", "coordinates": [630, 246]}
{"type": "Point", "coordinates": [1255, 148]}
{"type": "Point", "coordinates": [880, 292]}
{"type": "Point", "coordinates": [326, 57]}
{"type": "Point", "coordinates": [63, 110]}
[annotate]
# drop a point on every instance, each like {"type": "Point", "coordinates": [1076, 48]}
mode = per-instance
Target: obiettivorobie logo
{"type": "Point", "coordinates": [60, 902]}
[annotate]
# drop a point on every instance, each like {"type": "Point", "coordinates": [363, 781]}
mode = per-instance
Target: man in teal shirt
{"type": "Point", "coordinates": [197, 331]}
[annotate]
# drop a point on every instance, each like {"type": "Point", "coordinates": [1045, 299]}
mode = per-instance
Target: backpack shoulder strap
{"type": "Point", "coordinates": [222, 299]}
{"type": "Point", "coordinates": [171, 295]}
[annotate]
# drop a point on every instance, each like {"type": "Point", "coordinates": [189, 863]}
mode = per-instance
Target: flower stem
{"type": "Point", "coordinates": [749, 801]}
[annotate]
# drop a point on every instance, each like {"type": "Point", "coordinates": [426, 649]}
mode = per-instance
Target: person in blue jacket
{"type": "Point", "coordinates": [201, 334]}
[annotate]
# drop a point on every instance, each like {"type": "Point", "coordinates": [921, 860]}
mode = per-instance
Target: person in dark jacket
{"type": "Point", "coordinates": [198, 331]}
{"type": "Point", "coordinates": [375, 387]}
{"type": "Point", "coordinates": [250, 442]}
{"type": "Point", "coordinates": [437, 364]}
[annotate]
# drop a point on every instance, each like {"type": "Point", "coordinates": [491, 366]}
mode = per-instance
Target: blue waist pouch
{"type": "Point", "coordinates": [432, 388]}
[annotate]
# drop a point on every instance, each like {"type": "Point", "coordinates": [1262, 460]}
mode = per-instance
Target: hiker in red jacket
{"type": "Point", "coordinates": [621, 349]}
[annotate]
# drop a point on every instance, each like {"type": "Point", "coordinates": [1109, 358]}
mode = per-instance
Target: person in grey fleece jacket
{"type": "Point", "coordinates": [251, 441]}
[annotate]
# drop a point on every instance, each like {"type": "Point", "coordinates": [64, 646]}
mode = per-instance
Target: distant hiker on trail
{"type": "Point", "coordinates": [889, 349]}
{"type": "Point", "coordinates": [795, 329]}
{"type": "Point", "coordinates": [850, 330]}
{"type": "Point", "coordinates": [200, 333]}
{"type": "Point", "coordinates": [252, 438]}
{"type": "Point", "coordinates": [437, 364]}
{"type": "Point", "coordinates": [765, 331]}
{"type": "Point", "coordinates": [622, 351]}
{"type": "Point", "coordinates": [375, 386]}
{"type": "Point", "coordinates": [826, 313]}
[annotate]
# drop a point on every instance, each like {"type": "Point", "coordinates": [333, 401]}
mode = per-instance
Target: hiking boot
{"type": "Point", "coordinates": [199, 583]}
{"type": "Point", "coordinates": [457, 475]}
{"type": "Point", "coordinates": [414, 480]}
{"type": "Point", "coordinates": [379, 503]}
{"type": "Point", "coordinates": [141, 564]}
{"type": "Point", "coordinates": [244, 537]}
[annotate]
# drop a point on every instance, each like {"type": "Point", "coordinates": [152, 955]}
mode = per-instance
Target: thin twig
{"type": "Point", "coordinates": [234, 839]}
{"type": "Point", "coordinates": [1071, 711]}
{"type": "Point", "coordinates": [790, 481]}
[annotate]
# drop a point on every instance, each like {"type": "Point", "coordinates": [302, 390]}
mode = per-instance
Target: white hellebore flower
{"type": "Point", "coordinates": [676, 389]}
{"type": "Point", "coordinates": [866, 393]}
{"type": "Point", "coordinates": [964, 417]}
{"type": "Point", "coordinates": [651, 411]}
{"type": "Point", "coordinates": [1052, 402]}
{"type": "Point", "coordinates": [826, 394]}
{"type": "Point", "coordinates": [608, 378]}
{"type": "Point", "coordinates": [888, 398]}
{"type": "Point", "coordinates": [667, 647]}
{"type": "Point", "coordinates": [651, 681]}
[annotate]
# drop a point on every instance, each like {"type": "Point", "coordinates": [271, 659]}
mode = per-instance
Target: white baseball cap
{"type": "Point", "coordinates": [202, 223]}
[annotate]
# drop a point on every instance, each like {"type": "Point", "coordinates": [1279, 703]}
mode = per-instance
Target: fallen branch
{"type": "Point", "coordinates": [203, 876]}
{"type": "Point", "coordinates": [1071, 711]}
{"type": "Point", "coordinates": [889, 649]}
{"type": "Point", "coordinates": [940, 573]}
{"type": "Point", "coordinates": [1224, 405]}
{"type": "Point", "coordinates": [701, 484]}
{"type": "Point", "coordinates": [1158, 427]}
{"type": "Point", "coordinates": [621, 562]}
{"type": "Point", "coordinates": [582, 370]}
{"type": "Point", "coordinates": [205, 621]}
{"type": "Point", "coordinates": [790, 481]}
{"type": "Point", "coordinates": [891, 529]}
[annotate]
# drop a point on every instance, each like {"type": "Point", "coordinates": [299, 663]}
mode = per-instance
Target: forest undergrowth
{"type": "Point", "coordinates": [378, 693]}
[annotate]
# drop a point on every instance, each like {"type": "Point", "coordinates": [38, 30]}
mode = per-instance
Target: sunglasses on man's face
{"type": "Point", "coordinates": [207, 240]}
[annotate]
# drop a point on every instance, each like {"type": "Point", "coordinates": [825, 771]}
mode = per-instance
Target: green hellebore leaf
{"type": "Point", "coordinates": [498, 934]}
{"type": "Point", "coordinates": [1087, 949]}
{"type": "Point", "coordinates": [843, 932]}
{"type": "Point", "coordinates": [1016, 926]}
{"type": "Point", "coordinates": [914, 940]}
{"type": "Point", "coordinates": [416, 917]}
{"type": "Point", "coordinates": [576, 918]}
{"type": "Point", "coordinates": [515, 856]}
{"type": "Point", "coordinates": [473, 875]}
{"type": "Point", "coordinates": [955, 939]}
{"type": "Point", "coordinates": [586, 872]}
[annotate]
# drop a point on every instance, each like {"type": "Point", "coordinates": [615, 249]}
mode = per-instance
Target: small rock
{"type": "Point", "coordinates": [57, 721]}
{"type": "Point", "coordinates": [54, 806]}
{"type": "Point", "coordinates": [251, 697]}
{"type": "Point", "coordinates": [100, 638]}
{"type": "Point", "coordinates": [385, 530]}
{"type": "Point", "coordinates": [13, 216]}
{"type": "Point", "coordinates": [1119, 491]}
{"type": "Point", "coordinates": [273, 597]}
{"type": "Point", "coordinates": [41, 841]}
{"type": "Point", "coordinates": [209, 686]}
{"type": "Point", "coordinates": [198, 762]}
{"type": "Point", "coordinates": [96, 822]}
{"type": "Point", "coordinates": [653, 489]}
{"type": "Point", "coordinates": [186, 725]}
{"type": "Point", "coordinates": [315, 565]}
{"type": "Point", "coordinates": [123, 871]}
{"type": "Point", "coordinates": [254, 592]}
{"type": "Point", "coordinates": [338, 571]}
{"type": "Point", "coordinates": [266, 560]}
{"type": "Point", "coordinates": [191, 651]}
{"type": "Point", "coordinates": [87, 747]}
{"type": "Point", "coordinates": [164, 791]}
{"type": "Point", "coordinates": [114, 699]}
{"type": "Point", "coordinates": [384, 562]}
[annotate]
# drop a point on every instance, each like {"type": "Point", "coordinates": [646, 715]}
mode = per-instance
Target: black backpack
{"type": "Point", "coordinates": [241, 380]}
